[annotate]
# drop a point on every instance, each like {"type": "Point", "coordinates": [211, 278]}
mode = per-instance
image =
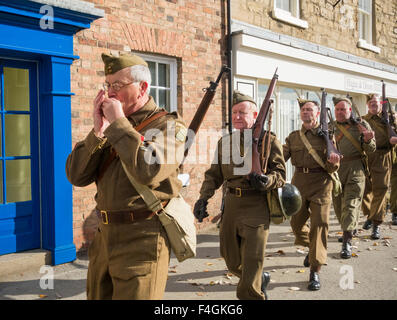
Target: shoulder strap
{"type": "Point", "coordinates": [348, 135]}
{"type": "Point", "coordinates": [337, 185]}
{"type": "Point", "coordinates": [113, 153]}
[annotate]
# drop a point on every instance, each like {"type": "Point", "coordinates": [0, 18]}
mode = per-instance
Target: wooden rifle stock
{"type": "Point", "coordinates": [258, 127]}
{"type": "Point", "coordinates": [385, 115]}
{"type": "Point", "coordinates": [324, 125]}
{"type": "Point", "coordinates": [355, 117]}
{"type": "Point", "coordinates": [202, 110]}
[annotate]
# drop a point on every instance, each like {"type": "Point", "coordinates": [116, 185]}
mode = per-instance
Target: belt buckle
{"type": "Point", "coordinates": [238, 192]}
{"type": "Point", "coordinates": [305, 170]}
{"type": "Point", "coordinates": [104, 214]}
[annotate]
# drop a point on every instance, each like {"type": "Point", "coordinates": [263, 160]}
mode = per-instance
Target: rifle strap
{"type": "Point", "coordinates": [337, 186]}
{"type": "Point", "coordinates": [113, 153]}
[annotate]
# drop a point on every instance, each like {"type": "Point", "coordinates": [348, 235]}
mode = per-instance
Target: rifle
{"type": "Point", "coordinates": [356, 119]}
{"type": "Point", "coordinates": [203, 108]}
{"type": "Point", "coordinates": [258, 127]}
{"type": "Point", "coordinates": [385, 116]}
{"type": "Point", "coordinates": [324, 125]}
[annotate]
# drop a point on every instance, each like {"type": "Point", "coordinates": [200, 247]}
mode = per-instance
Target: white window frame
{"type": "Point", "coordinates": [173, 77]}
{"type": "Point", "coordinates": [366, 42]}
{"type": "Point", "coordinates": [292, 16]}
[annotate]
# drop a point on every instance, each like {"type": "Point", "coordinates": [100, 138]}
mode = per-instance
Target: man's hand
{"type": "Point", "coordinates": [100, 122]}
{"type": "Point", "coordinates": [368, 135]}
{"type": "Point", "coordinates": [334, 158]}
{"type": "Point", "coordinates": [200, 209]}
{"type": "Point", "coordinates": [112, 109]}
{"type": "Point", "coordinates": [393, 140]}
{"type": "Point", "coordinates": [258, 181]}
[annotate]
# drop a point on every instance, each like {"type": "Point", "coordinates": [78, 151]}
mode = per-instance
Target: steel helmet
{"type": "Point", "coordinates": [290, 199]}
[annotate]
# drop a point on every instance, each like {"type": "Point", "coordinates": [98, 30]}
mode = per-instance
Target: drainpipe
{"type": "Point", "coordinates": [229, 64]}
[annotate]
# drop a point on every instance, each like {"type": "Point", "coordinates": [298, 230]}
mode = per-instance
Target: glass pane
{"type": "Point", "coordinates": [152, 68]}
{"type": "Point", "coordinates": [164, 75]}
{"type": "Point", "coordinates": [284, 5]}
{"type": "Point", "coordinates": [1, 181]}
{"type": "Point", "coordinates": [16, 89]}
{"type": "Point", "coordinates": [17, 135]}
{"type": "Point", "coordinates": [365, 5]}
{"type": "Point", "coordinates": [18, 180]}
{"type": "Point", "coordinates": [164, 99]}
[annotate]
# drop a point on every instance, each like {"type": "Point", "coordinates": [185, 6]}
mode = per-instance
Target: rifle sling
{"type": "Point", "coordinates": [113, 153]}
{"type": "Point", "coordinates": [347, 134]}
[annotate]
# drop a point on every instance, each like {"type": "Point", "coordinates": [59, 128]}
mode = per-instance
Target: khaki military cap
{"type": "Point", "coordinates": [370, 96]}
{"type": "Point", "coordinates": [239, 97]}
{"type": "Point", "coordinates": [114, 64]}
{"type": "Point", "coordinates": [338, 99]}
{"type": "Point", "coordinates": [302, 101]}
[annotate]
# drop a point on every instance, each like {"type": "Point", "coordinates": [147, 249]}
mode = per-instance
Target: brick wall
{"type": "Point", "coordinates": [191, 31]}
{"type": "Point", "coordinates": [336, 28]}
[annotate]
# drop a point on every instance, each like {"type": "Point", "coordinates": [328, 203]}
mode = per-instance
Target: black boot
{"type": "Point", "coordinates": [367, 225]}
{"type": "Point", "coordinates": [346, 252]}
{"type": "Point", "coordinates": [394, 219]}
{"type": "Point", "coordinates": [306, 262]}
{"type": "Point", "coordinates": [314, 282]}
{"type": "Point", "coordinates": [265, 282]}
{"type": "Point", "coordinates": [375, 233]}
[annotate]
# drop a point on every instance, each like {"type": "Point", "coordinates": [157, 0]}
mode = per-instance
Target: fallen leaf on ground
{"type": "Point", "coordinates": [294, 288]}
{"type": "Point", "coordinates": [281, 252]}
{"type": "Point", "coordinates": [354, 254]}
{"type": "Point", "coordinates": [357, 282]}
{"type": "Point", "coordinates": [300, 271]}
{"type": "Point", "coordinates": [200, 293]}
{"type": "Point", "coordinates": [209, 263]}
{"type": "Point", "coordinates": [42, 296]}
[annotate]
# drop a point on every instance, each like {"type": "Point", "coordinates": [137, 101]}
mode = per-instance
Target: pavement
{"type": "Point", "coordinates": [370, 275]}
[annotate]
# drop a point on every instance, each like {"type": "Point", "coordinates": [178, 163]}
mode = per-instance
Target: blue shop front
{"type": "Point", "coordinates": [36, 52]}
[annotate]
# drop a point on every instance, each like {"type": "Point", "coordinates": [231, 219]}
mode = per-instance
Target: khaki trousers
{"type": "Point", "coordinates": [243, 236]}
{"type": "Point", "coordinates": [374, 200]}
{"type": "Point", "coordinates": [316, 192]}
{"type": "Point", "coordinates": [348, 204]}
{"type": "Point", "coordinates": [128, 261]}
{"type": "Point", "coordinates": [393, 192]}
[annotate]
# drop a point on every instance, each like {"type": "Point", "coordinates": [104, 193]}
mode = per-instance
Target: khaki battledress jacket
{"type": "Point", "coordinates": [379, 162]}
{"type": "Point", "coordinates": [130, 260]}
{"type": "Point", "coordinates": [245, 222]}
{"type": "Point", "coordinates": [393, 182]}
{"type": "Point", "coordinates": [351, 173]}
{"type": "Point", "coordinates": [315, 186]}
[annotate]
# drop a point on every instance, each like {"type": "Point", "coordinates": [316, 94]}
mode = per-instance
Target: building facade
{"type": "Point", "coordinates": [51, 75]}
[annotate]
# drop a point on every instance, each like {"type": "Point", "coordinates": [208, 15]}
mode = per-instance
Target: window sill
{"type": "Point", "coordinates": [286, 16]}
{"type": "Point", "coordinates": [365, 45]}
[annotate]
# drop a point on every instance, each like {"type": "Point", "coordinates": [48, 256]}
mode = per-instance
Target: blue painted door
{"type": "Point", "coordinates": [19, 157]}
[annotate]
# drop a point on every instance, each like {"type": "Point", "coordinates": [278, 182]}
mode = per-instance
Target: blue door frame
{"type": "Point", "coordinates": [21, 37]}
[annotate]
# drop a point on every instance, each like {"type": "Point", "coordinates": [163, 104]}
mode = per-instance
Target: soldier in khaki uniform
{"type": "Point", "coordinates": [374, 201]}
{"type": "Point", "coordinates": [315, 185]}
{"type": "Point", "coordinates": [130, 254]}
{"type": "Point", "coordinates": [393, 184]}
{"type": "Point", "coordinates": [244, 227]}
{"type": "Point", "coordinates": [354, 141]}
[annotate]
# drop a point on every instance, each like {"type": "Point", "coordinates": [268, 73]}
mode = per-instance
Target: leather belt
{"type": "Point", "coordinates": [310, 170]}
{"type": "Point", "coordinates": [348, 159]}
{"type": "Point", "coordinates": [125, 216]}
{"type": "Point", "coordinates": [238, 192]}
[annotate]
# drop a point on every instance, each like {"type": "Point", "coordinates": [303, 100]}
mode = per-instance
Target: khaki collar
{"type": "Point", "coordinates": [143, 113]}
{"type": "Point", "coordinates": [314, 130]}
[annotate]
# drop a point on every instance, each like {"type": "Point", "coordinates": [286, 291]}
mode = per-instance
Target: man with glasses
{"type": "Point", "coordinates": [380, 165]}
{"type": "Point", "coordinates": [130, 254]}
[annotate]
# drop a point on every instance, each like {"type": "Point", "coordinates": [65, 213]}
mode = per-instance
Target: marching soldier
{"type": "Point", "coordinates": [315, 185]}
{"type": "Point", "coordinates": [244, 227]}
{"type": "Point", "coordinates": [374, 200]}
{"type": "Point", "coordinates": [393, 184]}
{"type": "Point", "coordinates": [354, 141]}
{"type": "Point", "coordinates": [130, 254]}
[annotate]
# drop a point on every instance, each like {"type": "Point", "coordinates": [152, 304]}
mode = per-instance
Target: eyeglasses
{"type": "Point", "coordinates": [117, 86]}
